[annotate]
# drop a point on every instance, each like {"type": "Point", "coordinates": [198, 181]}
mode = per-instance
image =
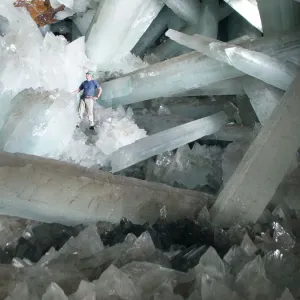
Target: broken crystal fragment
{"type": "Point", "coordinates": [165, 141]}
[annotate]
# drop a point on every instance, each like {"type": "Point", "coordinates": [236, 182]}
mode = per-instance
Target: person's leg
{"type": "Point", "coordinates": [81, 108]}
{"type": "Point", "coordinates": [90, 110]}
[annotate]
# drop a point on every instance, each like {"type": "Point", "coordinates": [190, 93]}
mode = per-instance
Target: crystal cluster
{"type": "Point", "coordinates": [183, 259]}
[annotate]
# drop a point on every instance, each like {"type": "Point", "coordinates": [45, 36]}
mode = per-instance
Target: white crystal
{"type": "Point", "coordinates": [248, 9]}
{"type": "Point", "coordinates": [54, 292]}
{"type": "Point", "coordinates": [165, 141]}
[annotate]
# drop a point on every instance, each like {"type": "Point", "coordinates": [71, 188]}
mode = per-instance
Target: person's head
{"type": "Point", "coordinates": [89, 75]}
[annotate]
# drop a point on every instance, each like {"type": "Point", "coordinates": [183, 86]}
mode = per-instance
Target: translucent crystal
{"type": "Point", "coordinates": [191, 71]}
{"type": "Point", "coordinates": [248, 246]}
{"type": "Point", "coordinates": [252, 282]}
{"type": "Point", "coordinates": [256, 64]}
{"type": "Point", "coordinates": [211, 264]}
{"type": "Point", "coordinates": [236, 258]}
{"type": "Point", "coordinates": [149, 277]}
{"type": "Point", "coordinates": [204, 219]}
{"type": "Point", "coordinates": [87, 243]}
{"type": "Point", "coordinates": [86, 291]}
{"type": "Point", "coordinates": [282, 237]}
{"type": "Point", "coordinates": [212, 289]}
{"type": "Point", "coordinates": [165, 141]}
{"type": "Point", "coordinates": [21, 291]}
{"type": "Point", "coordinates": [286, 295]}
{"type": "Point", "coordinates": [114, 282]}
{"type": "Point", "coordinates": [54, 292]}
{"type": "Point", "coordinates": [248, 9]}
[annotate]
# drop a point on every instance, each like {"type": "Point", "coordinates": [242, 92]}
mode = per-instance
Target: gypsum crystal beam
{"type": "Point", "coordinates": [232, 133]}
{"type": "Point", "coordinates": [263, 97]}
{"type": "Point", "coordinates": [166, 141]}
{"type": "Point", "coordinates": [187, 10]}
{"type": "Point", "coordinates": [259, 65]}
{"type": "Point", "coordinates": [53, 191]}
{"type": "Point", "coordinates": [207, 25]}
{"type": "Point", "coordinates": [165, 19]}
{"type": "Point", "coordinates": [222, 88]}
{"type": "Point", "coordinates": [278, 15]}
{"type": "Point", "coordinates": [248, 10]}
{"type": "Point", "coordinates": [171, 49]}
{"type": "Point", "coordinates": [268, 159]}
{"type": "Point", "coordinates": [189, 71]}
{"type": "Point", "coordinates": [117, 26]}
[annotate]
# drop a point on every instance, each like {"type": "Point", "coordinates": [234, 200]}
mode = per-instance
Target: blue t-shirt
{"type": "Point", "coordinates": [89, 87]}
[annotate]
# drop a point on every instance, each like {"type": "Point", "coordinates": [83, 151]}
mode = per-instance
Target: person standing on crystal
{"type": "Point", "coordinates": [89, 88]}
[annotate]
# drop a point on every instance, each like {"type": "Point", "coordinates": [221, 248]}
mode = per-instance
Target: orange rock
{"type": "Point", "coordinates": [40, 10]}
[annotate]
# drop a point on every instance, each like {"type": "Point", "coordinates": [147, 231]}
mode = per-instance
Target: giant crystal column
{"type": "Point", "coordinates": [263, 97]}
{"type": "Point", "coordinates": [52, 191]}
{"type": "Point", "coordinates": [189, 71]}
{"type": "Point", "coordinates": [166, 140]}
{"type": "Point", "coordinates": [165, 19]}
{"type": "Point", "coordinates": [259, 65]}
{"type": "Point", "coordinates": [225, 87]}
{"type": "Point", "coordinates": [117, 27]}
{"type": "Point", "coordinates": [207, 25]}
{"type": "Point", "coordinates": [278, 15]}
{"type": "Point", "coordinates": [264, 165]}
{"type": "Point", "coordinates": [249, 10]}
{"type": "Point", "coordinates": [188, 10]}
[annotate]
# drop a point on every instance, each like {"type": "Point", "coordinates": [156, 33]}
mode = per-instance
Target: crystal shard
{"type": "Point", "coordinates": [86, 244]}
{"type": "Point", "coordinates": [282, 237]}
{"type": "Point", "coordinates": [259, 65]}
{"type": "Point", "coordinates": [86, 291]}
{"type": "Point", "coordinates": [114, 282]}
{"type": "Point", "coordinates": [286, 295]}
{"type": "Point", "coordinates": [165, 141]}
{"type": "Point", "coordinates": [54, 292]}
{"type": "Point", "coordinates": [239, 198]}
{"type": "Point", "coordinates": [248, 9]}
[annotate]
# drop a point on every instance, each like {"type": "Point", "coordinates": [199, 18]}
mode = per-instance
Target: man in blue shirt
{"type": "Point", "coordinates": [89, 88]}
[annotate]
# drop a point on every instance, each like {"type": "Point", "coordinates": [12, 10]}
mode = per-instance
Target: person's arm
{"type": "Point", "coordinates": [78, 90]}
{"type": "Point", "coordinates": [99, 92]}
{"type": "Point", "coordinates": [99, 89]}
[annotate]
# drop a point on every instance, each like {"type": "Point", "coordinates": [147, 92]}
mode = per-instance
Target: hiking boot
{"type": "Point", "coordinates": [92, 127]}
